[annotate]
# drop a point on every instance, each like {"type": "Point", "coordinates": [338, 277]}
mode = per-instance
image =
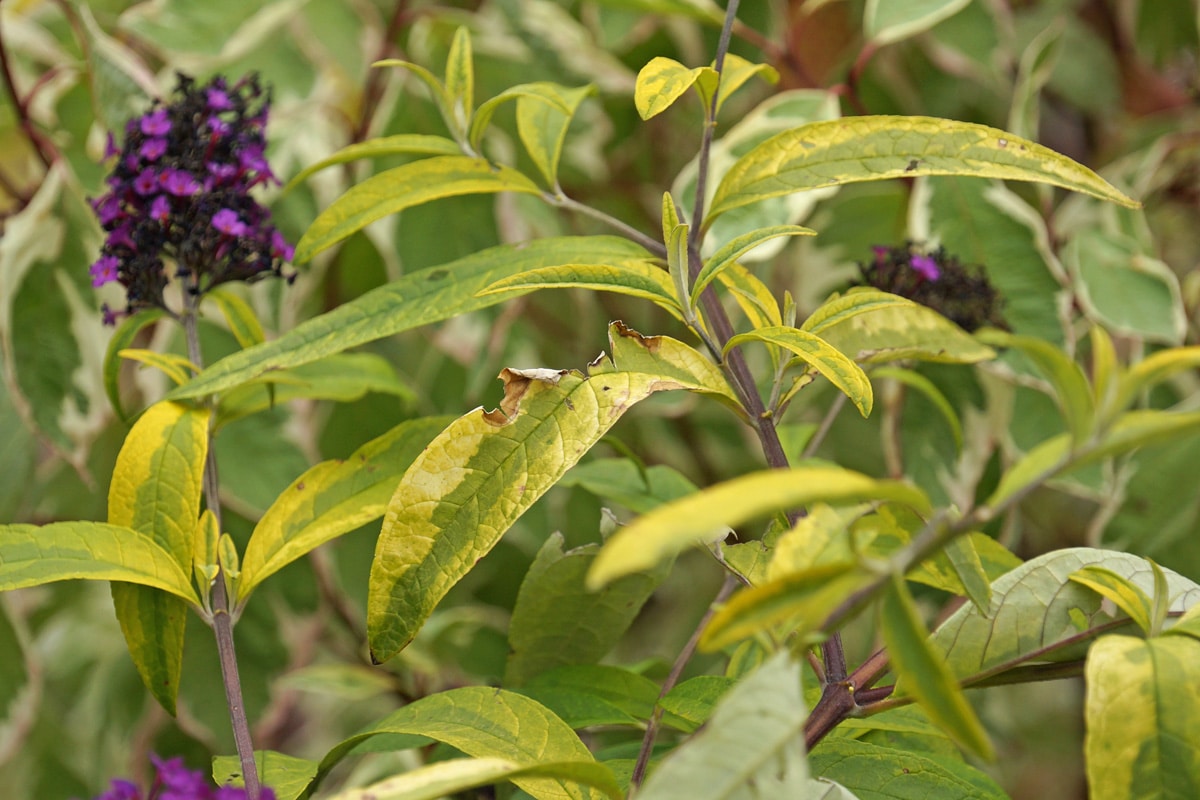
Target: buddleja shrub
{"type": "Point", "coordinates": [791, 717]}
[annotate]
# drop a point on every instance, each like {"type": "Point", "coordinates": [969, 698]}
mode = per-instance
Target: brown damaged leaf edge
{"type": "Point", "coordinates": [651, 343]}
{"type": "Point", "coordinates": [516, 384]}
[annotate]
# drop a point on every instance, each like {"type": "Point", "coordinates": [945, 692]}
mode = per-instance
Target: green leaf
{"type": "Point", "coordinates": [668, 529]}
{"type": "Point", "coordinates": [31, 555]}
{"type": "Point", "coordinates": [826, 359]}
{"type": "Point", "coordinates": [381, 147]}
{"type": "Point", "coordinates": [874, 772]}
{"type": "Point", "coordinates": [663, 81]}
{"type": "Point", "coordinates": [969, 570]}
{"type": "Point", "coordinates": [1153, 370]}
{"type": "Point", "coordinates": [870, 148]}
{"type": "Point", "coordinates": [416, 299]}
{"type": "Point", "coordinates": [887, 21]}
{"type": "Point", "coordinates": [287, 776]}
{"type": "Point", "coordinates": [1071, 389]}
{"type": "Point", "coordinates": [485, 723]}
{"type": "Point", "coordinates": [155, 489]}
{"type": "Point", "coordinates": [243, 323]}
{"type": "Point", "coordinates": [1030, 618]}
{"type": "Point", "coordinates": [752, 296]}
{"type": "Point", "coordinates": [917, 381]}
{"type": "Point", "coordinates": [176, 367]}
{"type": "Point", "coordinates": [801, 601]}
{"type": "Point", "coordinates": [445, 778]}
{"type": "Point", "coordinates": [690, 704]}
{"type": "Point", "coordinates": [403, 187]}
{"type": "Point", "coordinates": [921, 672]}
{"type": "Point", "coordinates": [16, 669]}
{"type": "Point", "coordinates": [872, 326]}
{"type": "Point", "coordinates": [122, 338]}
{"type": "Point", "coordinates": [544, 112]}
{"type": "Point", "coordinates": [738, 247]}
{"type": "Point", "coordinates": [662, 355]}
{"type": "Point", "coordinates": [333, 498]}
{"type": "Point", "coordinates": [343, 377]}
{"type": "Point", "coordinates": [584, 695]}
{"type": "Point", "coordinates": [735, 72]}
{"type": "Point", "coordinates": [699, 10]}
{"type": "Point", "coordinates": [487, 109]}
{"type": "Point", "coordinates": [622, 481]}
{"type": "Point", "coordinates": [634, 278]}
{"type": "Point", "coordinates": [460, 82]}
{"type": "Point", "coordinates": [437, 90]}
{"type": "Point", "coordinates": [1125, 594]}
{"type": "Point", "coordinates": [476, 478]}
{"type": "Point", "coordinates": [753, 745]}
{"type": "Point", "coordinates": [1125, 289]}
{"type": "Point", "coordinates": [1142, 712]}
{"type": "Point", "coordinates": [556, 621]}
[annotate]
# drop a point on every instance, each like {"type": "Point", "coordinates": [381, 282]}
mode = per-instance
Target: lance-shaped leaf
{"type": "Point", "coordinates": [738, 247]}
{"type": "Point", "coordinates": [873, 771]}
{"type": "Point", "coordinates": [872, 326]}
{"type": "Point", "coordinates": [333, 498]}
{"type": "Point", "coordinates": [634, 278]}
{"type": "Point", "coordinates": [670, 528]}
{"type": "Point", "coordinates": [476, 478]}
{"type": "Point", "coordinates": [871, 148]}
{"type": "Point", "coordinates": [243, 323]}
{"type": "Point", "coordinates": [1038, 614]}
{"type": "Point", "coordinates": [419, 298]}
{"type": "Point", "coordinates": [31, 555]}
{"type": "Point", "coordinates": [121, 339]}
{"type": "Point", "coordinates": [921, 672]}
{"type": "Point", "coordinates": [287, 776]}
{"type": "Point", "coordinates": [485, 723]}
{"type": "Point", "coordinates": [156, 487]}
{"type": "Point", "coordinates": [394, 190]}
{"type": "Point", "coordinates": [663, 81]}
{"type": "Point", "coordinates": [887, 21]}
{"type": "Point", "coordinates": [826, 359]}
{"type": "Point", "coordinates": [1153, 370]}
{"type": "Point", "coordinates": [662, 355]}
{"type": "Point", "coordinates": [446, 778]}
{"type": "Point", "coordinates": [176, 367]}
{"type": "Point", "coordinates": [735, 72]}
{"type": "Point", "coordinates": [400, 144]}
{"type": "Point", "coordinates": [460, 82]}
{"type": "Point", "coordinates": [544, 112]}
{"type": "Point", "coordinates": [437, 90]}
{"type": "Point", "coordinates": [1143, 717]}
{"type": "Point", "coordinates": [1124, 593]}
{"type": "Point", "coordinates": [753, 745]}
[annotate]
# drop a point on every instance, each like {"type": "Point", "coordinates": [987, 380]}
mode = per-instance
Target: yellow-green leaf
{"type": "Point", "coordinates": [1125, 594]}
{"type": "Point", "coordinates": [826, 359]}
{"type": "Point", "coordinates": [476, 478]}
{"type": "Point", "coordinates": [1153, 370]}
{"type": "Point", "coordinates": [544, 112]}
{"type": "Point", "coordinates": [733, 250]}
{"type": "Point", "coordinates": [460, 82]}
{"type": "Point", "coordinates": [176, 367]}
{"type": "Point", "coordinates": [155, 489]}
{"type": "Point", "coordinates": [887, 21]}
{"type": "Point", "coordinates": [670, 528]}
{"type": "Point", "coordinates": [661, 82]}
{"type": "Point", "coordinates": [923, 673]}
{"type": "Point", "coordinates": [1143, 718]}
{"type": "Point", "coordinates": [400, 144]}
{"type": "Point", "coordinates": [870, 148]}
{"type": "Point", "coordinates": [662, 355]}
{"type": "Point", "coordinates": [632, 277]}
{"type": "Point", "coordinates": [487, 109]}
{"type": "Point", "coordinates": [445, 778]}
{"type": "Point", "coordinates": [872, 326]}
{"type": "Point", "coordinates": [437, 90]}
{"type": "Point", "coordinates": [32, 555]}
{"type": "Point", "coordinates": [333, 498]}
{"type": "Point", "coordinates": [736, 71]}
{"type": "Point", "coordinates": [243, 322]}
{"type": "Point", "coordinates": [396, 189]}
{"type": "Point", "coordinates": [917, 381]}
{"type": "Point", "coordinates": [121, 339]}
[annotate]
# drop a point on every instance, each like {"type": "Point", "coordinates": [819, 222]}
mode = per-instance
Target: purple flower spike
{"type": "Point", "coordinates": [179, 183]}
{"type": "Point", "coordinates": [104, 270]}
{"type": "Point", "coordinates": [227, 222]}
{"type": "Point", "coordinates": [152, 149]}
{"type": "Point", "coordinates": [926, 267]}
{"type": "Point", "coordinates": [156, 123]}
{"type": "Point", "coordinates": [107, 208]}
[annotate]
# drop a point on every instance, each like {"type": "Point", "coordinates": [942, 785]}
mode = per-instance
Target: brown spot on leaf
{"type": "Point", "coordinates": [300, 486]}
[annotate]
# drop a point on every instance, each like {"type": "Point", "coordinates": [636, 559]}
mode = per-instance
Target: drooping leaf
{"type": "Point", "coordinates": [921, 672]}
{"type": "Point", "coordinates": [399, 144]}
{"type": "Point", "coordinates": [663, 81]}
{"type": "Point", "coordinates": [1124, 593]}
{"type": "Point", "coordinates": [403, 187]}
{"type": "Point", "coordinates": [155, 489]}
{"type": "Point", "coordinates": [887, 21]}
{"type": "Point", "coordinates": [176, 367]}
{"type": "Point", "coordinates": [874, 772]}
{"type": "Point", "coordinates": [735, 249]}
{"type": "Point", "coordinates": [416, 299]}
{"type": "Point", "coordinates": [872, 148]}
{"type": "Point", "coordinates": [243, 323]}
{"type": "Point", "coordinates": [1034, 611]}
{"type": "Point", "coordinates": [556, 621]}
{"type": "Point", "coordinates": [1153, 370]}
{"type": "Point", "coordinates": [446, 778]}
{"type": "Point", "coordinates": [476, 478]}
{"type": "Point", "coordinates": [662, 355]}
{"type": "Point", "coordinates": [752, 747]}
{"type": "Point", "coordinates": [485, 723]}
{"type": "Point", "coordinates": [31, 555]}
{"type": "Point", "coordinates": [287, 776]}
{"type": "Point", "coordinates": [544, 112]}
{"type": "Point", "coordinates": [122, 338]}
{"type": "Point", "coordinates": [1142, 711]}
{"type": "Point", "coordinates": [823, 357]}
{"type": "Point", "coordinates": [333, 498]}
{"type": "Point", "coordinates": [669, 529]}
{"type": "Point", "coordinates": [872, 326]}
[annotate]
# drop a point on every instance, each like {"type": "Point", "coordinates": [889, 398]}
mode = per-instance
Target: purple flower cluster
{"type": "Point", "coordinates": [174, 781]}
{"type": "Point", "coordinates": [180, 192]}
{"type": "Point", "coordinates": [937, 280]}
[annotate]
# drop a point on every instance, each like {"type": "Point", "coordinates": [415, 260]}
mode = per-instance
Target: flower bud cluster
{"type": "Point", "coordinates": [179, 192]}
{"type": "Point", "coordinates": [936, 280]}
{"type": "Point", "coordinates": [174, 781]}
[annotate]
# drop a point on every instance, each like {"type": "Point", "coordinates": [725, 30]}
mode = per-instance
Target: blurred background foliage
{"type": "Point", "coordinates": [1112, 83]}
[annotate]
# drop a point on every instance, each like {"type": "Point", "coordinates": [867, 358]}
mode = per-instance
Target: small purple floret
{"type": "Point", "coordinates": [104, 270]}
{"type": "Point", "coordinates": [228, 222]}
{"type": "Point", "coordinates": [146, 182]}
{"type": "Point", "coordinates": [156, 123]}
{"type": "Point", "coordinates": [218, 100]}
{"type": "Point", "coordinates": [926, 267]}
{"type": "Point", "coordinates": [160, 209]}
{"type": "Point", "coordinates": [179, 183]}
{"type": "Point", "coordinates": [152, 149]}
